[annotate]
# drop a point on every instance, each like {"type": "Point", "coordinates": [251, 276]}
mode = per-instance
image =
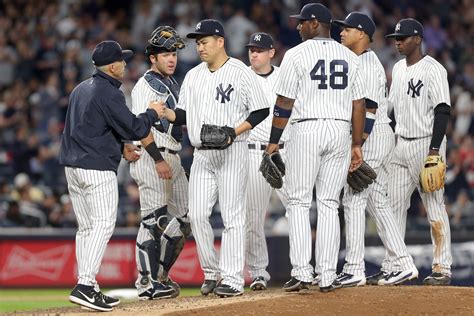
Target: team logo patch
{"type": "Point", "coordinates": [397, 28]}
{"type": "Point", "coordinates": [257, 38]}
{"type": "Point", "coordinates": [224, 94]}
{"type": "Point", "coordinates": [414, 89]}
{"type": "Point", "coordinates": [198, 26]}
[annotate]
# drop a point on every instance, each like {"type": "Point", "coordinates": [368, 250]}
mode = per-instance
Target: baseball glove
{"type": "Point", "coordinates": [273, 169]}
{"type": "Point", "coordinates": [217, 137]}
{"type": "Point", "coordinates": [360, 179]}
{"type": "Point", "coordinates": [432, 174]}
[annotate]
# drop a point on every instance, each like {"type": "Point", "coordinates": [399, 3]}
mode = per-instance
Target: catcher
{"type": "Point", "coordinates": [161, 179]}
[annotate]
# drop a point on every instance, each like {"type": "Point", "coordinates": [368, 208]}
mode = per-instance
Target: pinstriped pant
{"type": "Point", "coordinates": [258, 196]}
{"type": "Point", "coordinates": [318, 155]}
{"type": "Point", "coordinates": [376, 152]}
{"type": "Point", "coordinates": [94, 197]}
{"type": "Point", "coordinates": [220, 174]}
{"type": "Point", "coordinates": [407, 162]}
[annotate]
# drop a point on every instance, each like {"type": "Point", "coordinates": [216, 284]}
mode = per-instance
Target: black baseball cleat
{"type": "Point", "coordinates": [112, 301]}
{"type": "Point", "coordinates": [437, 278]}
{"type": "Point", "coordinates": [86, 296]}
{"type": "Point", "coordinates": [208, 287]}
{"type": "Point", "coordinates": [375, 278]}
{"type": "Point", "coordinates": [334, 285]}
{"type": "Point", "coordinates": [224, 290]}
{"type": "Point", "coordinates": [158, 291]}
{"type": "Point", "coordinates": [174, 285]}
{"type": "Point", "coordinates": [295, 285]}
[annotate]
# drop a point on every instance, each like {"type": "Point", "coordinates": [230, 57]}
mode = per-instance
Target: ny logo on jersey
{"type": "Point", "coordinates": [414, 88]}
{"type": "Point", "coordinates": [257, 38]}
{"type": "Point", "coordinates": [224, 94]}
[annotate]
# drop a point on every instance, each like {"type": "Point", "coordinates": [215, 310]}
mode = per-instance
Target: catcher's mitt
{"type": "Point", "coordinates": [360, 179]}
{"type": "Point", "coordinates": [273, 169]}
{"type": "Point", "coordinates": [432, 174]}
{"type": "Point", "coordinates": [217, 137]}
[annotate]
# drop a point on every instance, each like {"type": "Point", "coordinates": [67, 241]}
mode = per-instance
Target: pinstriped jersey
{"type": "Point", "coordinates": [261, 132]}
{"type": "Point", "coordinates": [323, 75]}
{"type": "Point", "coordinates": [223, 97]}
{"type": "Point", "coordinates": [415, 92]}
{"type": "Point", "coordinates": [376, 83]}
{"type": "Point", "coordinates": [142, 95]}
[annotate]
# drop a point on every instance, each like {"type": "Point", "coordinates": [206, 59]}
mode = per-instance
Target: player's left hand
{"type": "Point", "coordinates": [131, 153]}
{"type": "Point", "coordinates": [163, 169]}
{"type": "Point", "coordinates": [356, 158]}
{"type": "Point", "coordinates": [271, 148]}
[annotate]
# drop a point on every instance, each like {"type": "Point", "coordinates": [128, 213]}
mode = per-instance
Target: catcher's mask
{"type": "Point", "coordinates": [164, 39]}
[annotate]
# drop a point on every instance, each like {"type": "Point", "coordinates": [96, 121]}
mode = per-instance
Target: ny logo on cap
{"type": "Point", "coordinates": [198, 26]}
{"type": "Point", "coordinates": [397, 28]}
{"type": "Point", "coordinates": [257, 38]}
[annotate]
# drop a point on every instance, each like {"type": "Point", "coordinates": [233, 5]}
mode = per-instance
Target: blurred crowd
{"type": "Point", "coordinates": [45, 51]}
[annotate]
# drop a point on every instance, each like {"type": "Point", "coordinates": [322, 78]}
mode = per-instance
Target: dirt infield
{"type": "Point", "coordinates": [355, 301]}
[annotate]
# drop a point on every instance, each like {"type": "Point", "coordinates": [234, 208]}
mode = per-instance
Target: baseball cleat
{"type": "Point", "coordinates": [398, 277]}
{"type": "Point", "coordinates": [173, 285]}
{"type": "Point", "coordinates": [375, 278]}
{"type": "Point", "coordinates": [259, 283]}
{"type": "Point", "coordinates": [86, 296]}
{"type": "Point", "coordinates": [158, 291]}
{"type": "Point", "coordinates": [437, 278]}
{"type": "Point", "coordinates": [224, 290]}
{"type": "Point", "coordinates": [333, 286]}
{"type": "Point", "coordinates": [316, 279]}
{"type": "Point", "coordinates": [112, 301]}
{"type": "Point", "coordinates": [208, 287]}
{"type": "Point", "coordinates": [295, 285]}
{"type": "Point", "coordinates": [350, 280]}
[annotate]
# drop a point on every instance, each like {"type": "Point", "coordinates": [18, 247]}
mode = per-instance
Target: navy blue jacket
{"type": "Point", "coordinates": [97, 121]}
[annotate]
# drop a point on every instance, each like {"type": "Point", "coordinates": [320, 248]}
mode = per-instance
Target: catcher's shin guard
{"type": "Point", "coordinates": [172, 243]}
{"type": "Point", "coordinates": [148, 244]}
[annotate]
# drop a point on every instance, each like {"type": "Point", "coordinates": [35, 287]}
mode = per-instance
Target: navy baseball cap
{"type": "Point", "coordinates": [314, 11]}
{"type": "Point", "coordinates": [107, 52]}
{"type": "Point", "coordinates": [406, 28]}
{"type": "Point", "coordinates": [207, 27]}
{"type": "Point", "coordinates": [360, 21]}
{"type": "Point", "coordinates": [260, 40]}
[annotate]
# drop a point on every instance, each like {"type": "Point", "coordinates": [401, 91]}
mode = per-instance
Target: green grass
{"type": "Point", "coordinates": [30, 299]}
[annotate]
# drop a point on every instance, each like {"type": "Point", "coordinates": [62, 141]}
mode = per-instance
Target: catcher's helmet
{"type": "Point", "coordinates": [162, 39]}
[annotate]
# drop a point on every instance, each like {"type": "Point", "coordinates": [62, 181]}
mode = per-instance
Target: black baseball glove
{"type": "Point", "coordinates": [273, 169]}
{"type": "Point", "coordinates": [217, 137]}
{"type": "Point", "coordinates": [360, 179]}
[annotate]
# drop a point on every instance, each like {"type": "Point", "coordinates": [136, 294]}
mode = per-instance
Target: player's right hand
{"type": "Point", "coordinates": [157, 106]}
{"type": "Point", "coordinates": [163, 169]}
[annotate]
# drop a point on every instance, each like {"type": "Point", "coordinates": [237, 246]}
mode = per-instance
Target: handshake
{"type": "Point", "coordinates": [161, 110]}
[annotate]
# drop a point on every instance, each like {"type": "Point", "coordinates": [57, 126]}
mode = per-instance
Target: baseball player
{"type": "Point", "coordinates": [261, 51]}
{"type": "Point", "coordinates": [356, 34]}
{"type": "Point", "coordinates": [97, 120]}
{"type": "Point", "coordinates": [220, 91]}
{"type": "Point", "coordinates": [420, 97]}
{"type": "Point", "coordinates": [166, 190]}
{"type": "Point", "coordinates": [323, 76]}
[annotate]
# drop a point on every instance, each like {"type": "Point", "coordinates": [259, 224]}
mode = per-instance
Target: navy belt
{"type": "Point", "coordinates": [263, 147]}
{"type": "Point", "coordinates": [163, 149]}
{"type": "Point", "coordinates": [412, 138]}
{"type": "Point", "coordinates": [317, 119]}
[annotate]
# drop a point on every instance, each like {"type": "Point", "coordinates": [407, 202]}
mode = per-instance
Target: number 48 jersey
{"type": "Point", "coordinates": [324, 76]}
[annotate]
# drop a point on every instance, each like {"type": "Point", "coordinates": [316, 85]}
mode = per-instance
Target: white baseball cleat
{"type": "Point", "coordinates": [398, 277]}
{"type": "Point", "coordinates": [350, 280]}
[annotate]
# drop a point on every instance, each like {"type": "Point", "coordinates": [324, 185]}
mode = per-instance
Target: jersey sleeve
{"type": "Point", "coordinates": [371, 78]}
{"type": "Point", "coordinates": [253, 91]}
{"type": "Point", "coordinates": [358, 90]}
{"type": "Point", "coordinates": [288, 80]}
{"type": "Point", "coordinates": [182, 100]}
{"type": "Point", "coordinates": [439, 87]}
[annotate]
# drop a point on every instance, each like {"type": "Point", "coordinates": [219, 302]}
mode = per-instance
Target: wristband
{"type": "Point", "coordinates": [154, 152]}
{"type": "Point", "coordinates": [275, 135]}
{"type": "Point", "coordinates": [281, 112]}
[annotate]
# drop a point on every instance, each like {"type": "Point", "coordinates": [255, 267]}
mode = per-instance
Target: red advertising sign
{"type": "Point", "coordinates": [34, 263]}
